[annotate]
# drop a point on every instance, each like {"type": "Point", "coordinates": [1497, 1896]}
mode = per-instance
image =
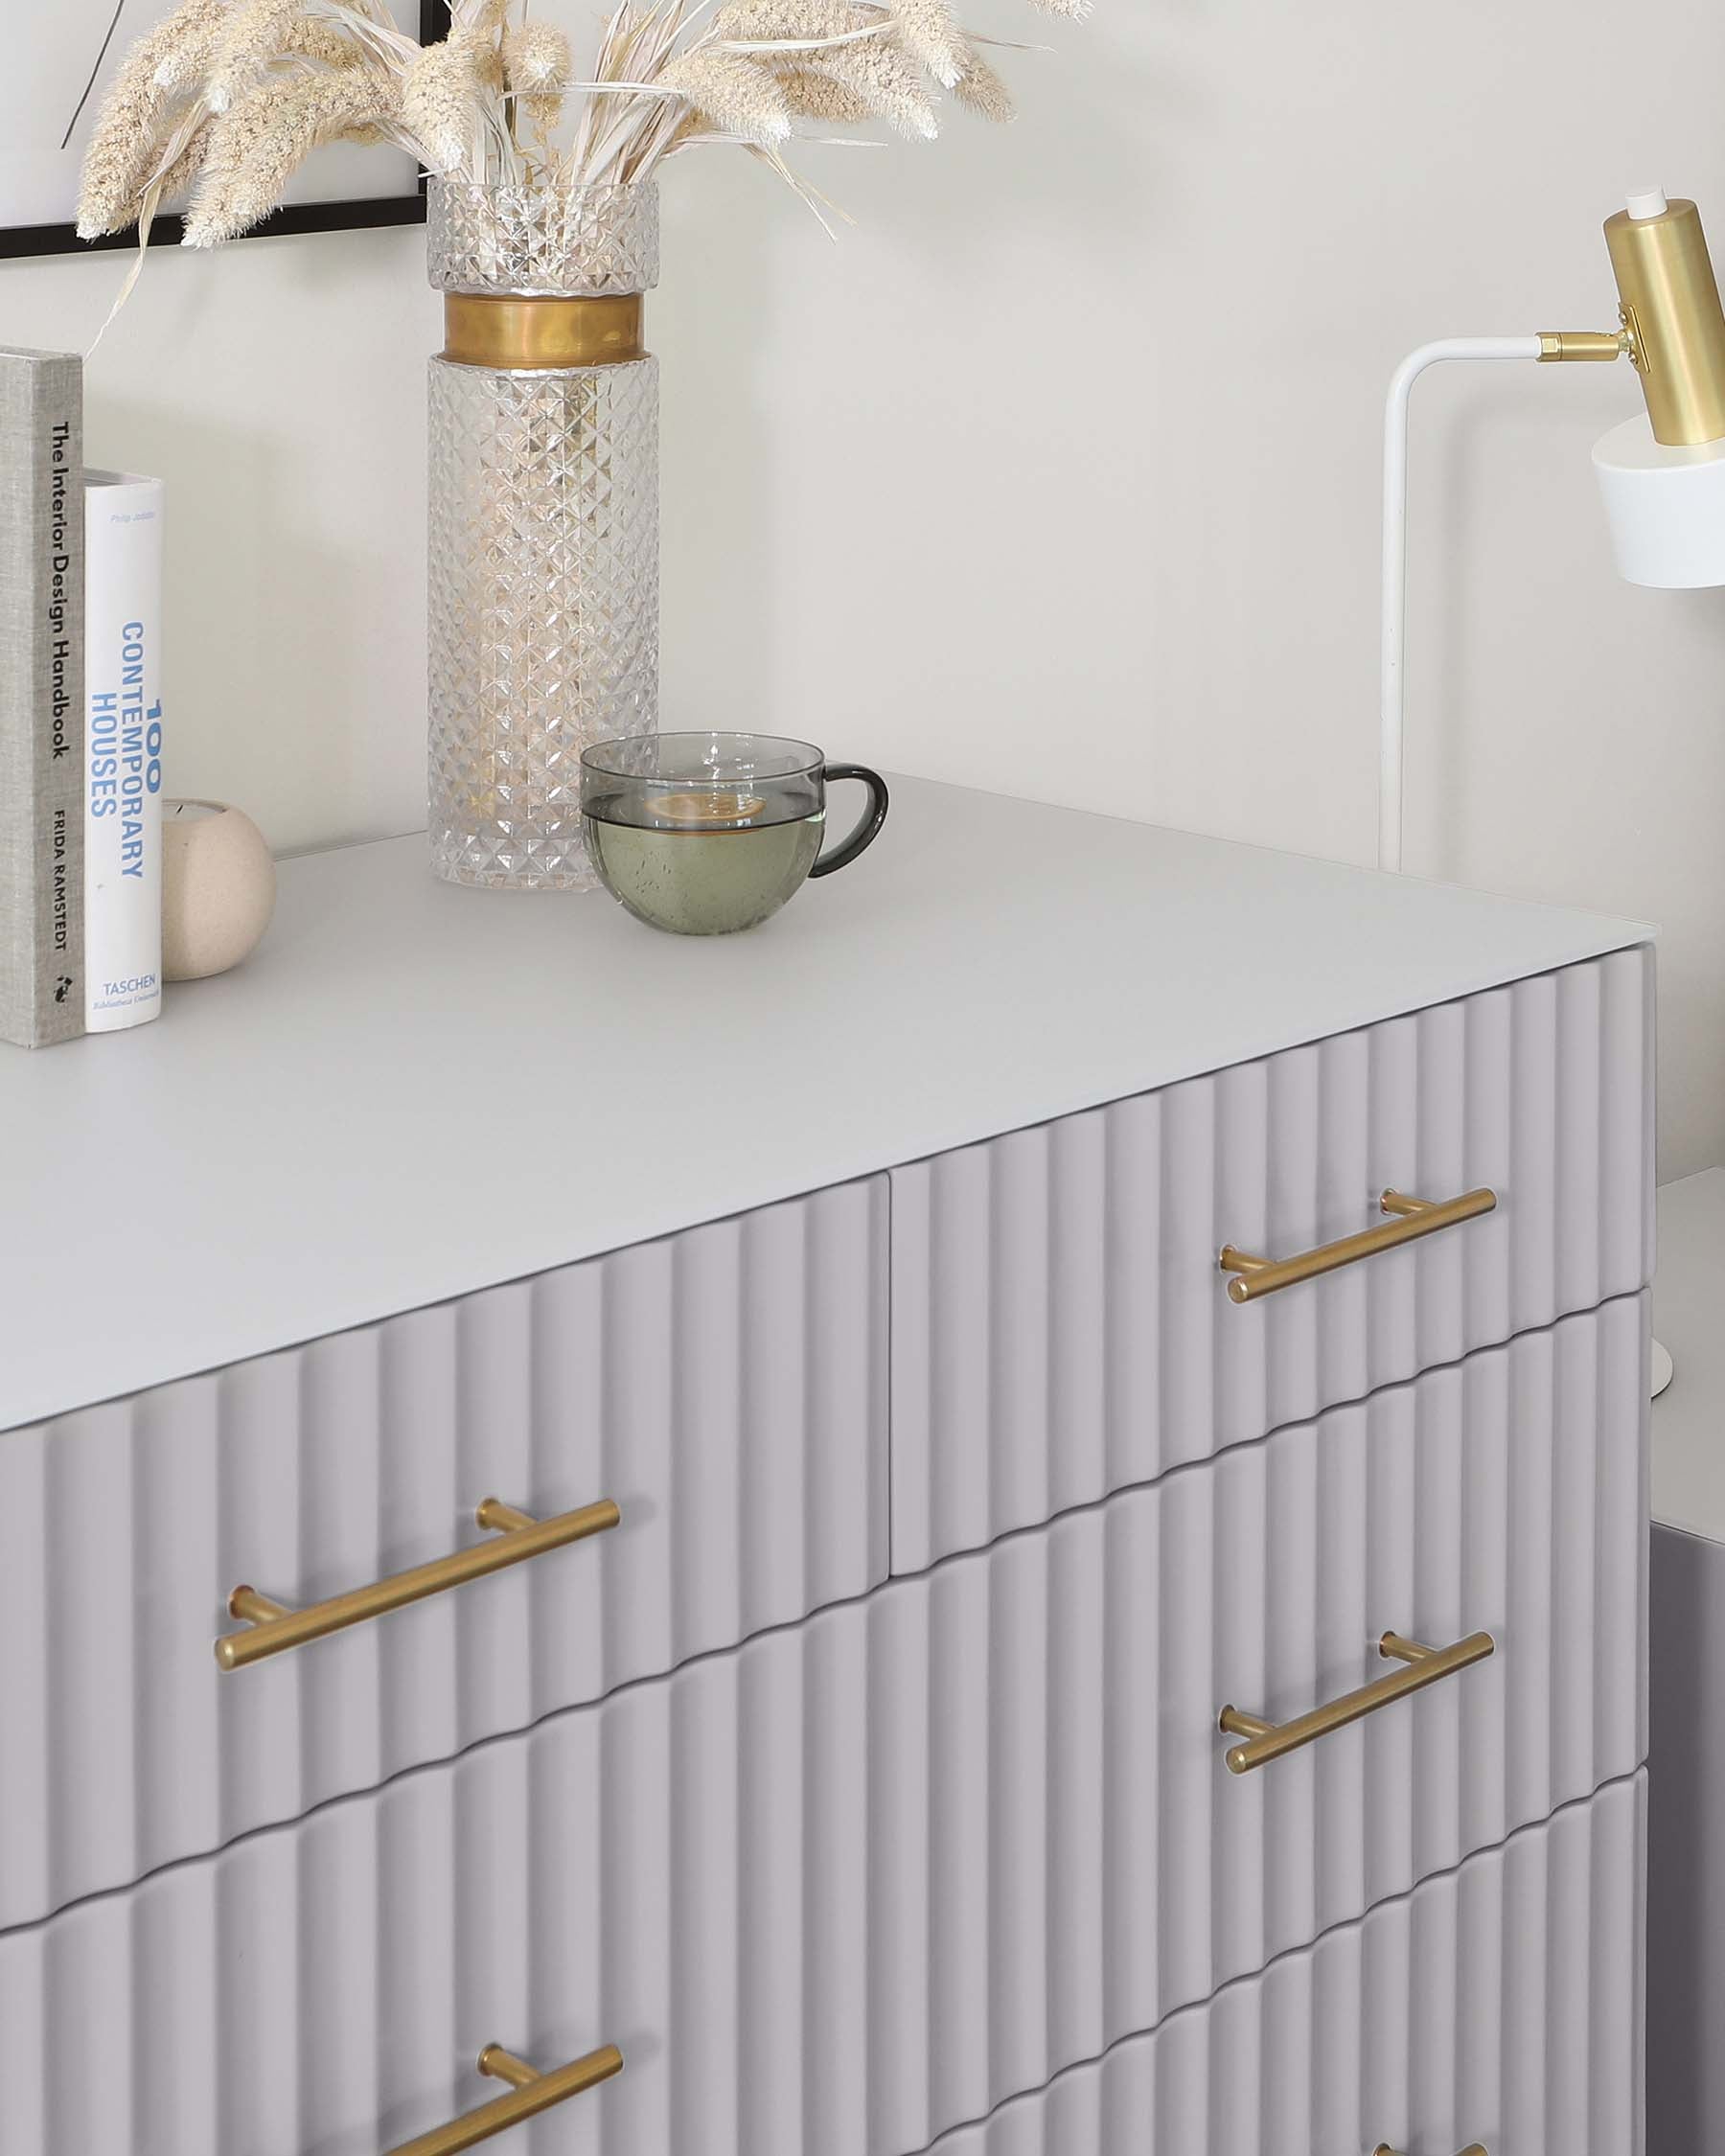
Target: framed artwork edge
{"type": "Point", "coordinates": [366, 214]}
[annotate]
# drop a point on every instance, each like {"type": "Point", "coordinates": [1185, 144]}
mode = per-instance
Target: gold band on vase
{"type": "Point", "coordinates": [483, 329]}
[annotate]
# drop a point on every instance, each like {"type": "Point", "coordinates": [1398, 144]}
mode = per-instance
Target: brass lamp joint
{"type": "Point", "coordinates": [1556, 345]}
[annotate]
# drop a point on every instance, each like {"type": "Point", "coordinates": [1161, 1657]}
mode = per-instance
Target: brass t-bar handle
{"type": "Point", "coordinates": [1256, 1277]}
{"type": "Point", "coordinates": [531, 2094]}
{"type": "Point", "coordinates": [517, 1537]}
{"type": "Point", "coordinates": [1425, 1665]}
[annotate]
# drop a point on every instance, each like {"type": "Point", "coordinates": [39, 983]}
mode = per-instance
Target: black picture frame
{"type": "Point", "coordinates": [17, 242]}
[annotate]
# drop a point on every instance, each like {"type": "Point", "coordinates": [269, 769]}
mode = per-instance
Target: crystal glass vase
{"type": "Point", "coordinates": [543, 519]}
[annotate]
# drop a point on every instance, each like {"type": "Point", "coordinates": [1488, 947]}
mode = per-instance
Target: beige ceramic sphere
{"type": "Point", "coordinates": [218, 889]}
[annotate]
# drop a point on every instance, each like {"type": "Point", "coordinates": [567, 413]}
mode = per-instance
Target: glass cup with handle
{"type": "Point", "coordinates": [706, 833]}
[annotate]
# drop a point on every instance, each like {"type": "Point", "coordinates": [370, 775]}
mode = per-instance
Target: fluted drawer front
{"type": "Point", "coordinates": [1061, 1328]}
{"type": "Point", "coordinates": [726, 1388]}
{"type": "Point", "coordinates": [1499, 2005]}
{"type": "Point", "coordinates": [864, 1878]}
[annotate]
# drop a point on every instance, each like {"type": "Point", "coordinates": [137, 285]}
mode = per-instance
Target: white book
{"type": "Point", "coordinates": [122, 750]}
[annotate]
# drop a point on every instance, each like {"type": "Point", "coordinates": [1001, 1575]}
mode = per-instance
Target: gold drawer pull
{"type": "Point", "coordinates": [1472, 2149]}
{"type": "Point", "coordinates": [1272, 1740]}
{"type": "Point", "coordinates": [533, 2092]}
{"type": "Point", "coordinates": [1257, 1276]}
{"type": "Point", "coordinates": [275, 1628]}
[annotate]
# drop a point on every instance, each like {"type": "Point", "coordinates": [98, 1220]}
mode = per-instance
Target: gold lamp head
{"type": "Point", "coordinates": [1663, 477]}
{"type": "Point", "coordinates": [1672, 316]}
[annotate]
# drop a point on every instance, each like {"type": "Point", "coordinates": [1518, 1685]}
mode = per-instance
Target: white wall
{"type": "Point", "coordinates": [279, 388]}
{"type": "Point", "coordinates": [1060, 473]}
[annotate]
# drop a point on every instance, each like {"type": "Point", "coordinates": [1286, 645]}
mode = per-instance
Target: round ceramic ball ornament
{"type": "Point", "coordinates": [219, 887]}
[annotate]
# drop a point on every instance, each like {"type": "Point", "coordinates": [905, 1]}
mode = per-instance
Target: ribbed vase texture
{"type": "Point", "coordinates": [543, 542]}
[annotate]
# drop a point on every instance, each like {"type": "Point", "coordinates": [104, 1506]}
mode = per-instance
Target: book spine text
{"type": "Point", "coordinates": [42, 973]}
{"type": "Point", "coordinates": [123, 732]}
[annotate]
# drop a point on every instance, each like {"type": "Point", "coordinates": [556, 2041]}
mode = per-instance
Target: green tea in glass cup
{"type": "Point", "coordinates": [706, 833]}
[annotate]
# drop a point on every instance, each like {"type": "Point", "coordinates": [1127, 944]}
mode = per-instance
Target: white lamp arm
{"type": "Point", "coordinates": [1391, 691]}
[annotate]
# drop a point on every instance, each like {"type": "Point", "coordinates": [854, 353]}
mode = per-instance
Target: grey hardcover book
{"type": "Point", "coordinates": [42, 697]}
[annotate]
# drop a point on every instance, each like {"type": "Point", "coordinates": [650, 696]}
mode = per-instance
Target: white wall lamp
{"type": "Point", "coordinates": [1661, 473]}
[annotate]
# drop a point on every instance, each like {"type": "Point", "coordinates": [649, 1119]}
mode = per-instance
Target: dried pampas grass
{"type": "Point", "coordinates": [818, 96]}
{"type": "Point", "coordinates": [537, 64]}
{"type": "Point", "coordinates": [256, 147]}
{"type": "Point", "coordinates": [885, 81]}
{"type": "Point", "coordinates": [929, 31]}
{"type": "Point", "coordinates": [448, 100]}
{"type": "Point", "coordinates": [981, 91]}
{"type": "Point", "coordinates": [227, 98]}
{"type": "Point", "coordinates": [137, 117]}
{"type": "Point", "coordinates": [732, 94]}
{"type": "Point", "coordinates": [256, 36]}
{"type": "Point", "coordinates": [770, 24]}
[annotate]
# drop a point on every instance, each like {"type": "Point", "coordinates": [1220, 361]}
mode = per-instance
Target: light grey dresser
{"type": "Point", "coordinates": [868, 1538]}
{"type": "Point", "coordinates": [1685, 1883]}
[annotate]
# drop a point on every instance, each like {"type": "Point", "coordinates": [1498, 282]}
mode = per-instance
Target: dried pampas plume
{"type": "Point", "coordinates": [929, 31]}
{"type": "Point", "coordinates": [981, 90]}
{"type": "Point", "coordinates": [137, 117]}
{"type": "Point", "coordinates": [182, 170]}
{"type": "Point", "coordinates": [257, 35]}
{"type": "Point", "coordinates": [851, 48]}
{"type": "Point", "coordinates": [443, 101]}
{"type": "Point", "coordinates": [537, 57]}
{"type": "Point", "coordinates": [885, 81]}
{"type": "Point", "coordinates": [818, 96]}
{"type": "Point", "coordinates": [181, 70]}
{"type": "Point", "coordinates": [537, 66]}
{"type": "Point", "coordinates": [737, 96]}
{"type": "Point", "coordinates": [811, 22]}
{"type": "Point", "coordinates": [258, 143]}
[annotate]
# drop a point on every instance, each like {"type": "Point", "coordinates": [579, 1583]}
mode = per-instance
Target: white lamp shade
{"type": "Point", "coordinates": [1665, 507]}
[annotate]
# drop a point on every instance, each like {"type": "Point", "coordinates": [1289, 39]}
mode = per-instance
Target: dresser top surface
{"type": "Point", "coordinates": [414, 1091]}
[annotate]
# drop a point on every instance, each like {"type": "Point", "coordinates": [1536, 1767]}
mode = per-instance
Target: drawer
{"type": "Point", "coordinates": [1061, 1327]}
{"type": "Point", "coordinates": [725, 1389]}
{"type": "Point", "coordinates": [867, 1877]}
{"type": "Point", "coordinates": [1499, 2005]}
